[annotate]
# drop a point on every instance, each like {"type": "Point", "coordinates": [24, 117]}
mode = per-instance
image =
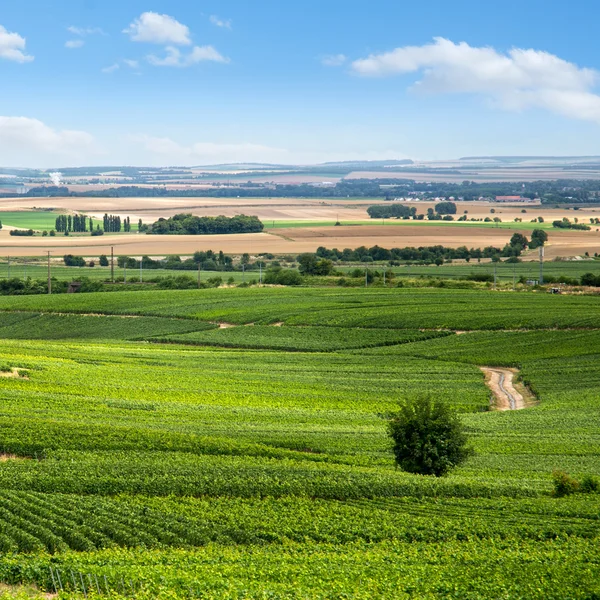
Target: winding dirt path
{"type": "Point", "coordinates": [501, 382]}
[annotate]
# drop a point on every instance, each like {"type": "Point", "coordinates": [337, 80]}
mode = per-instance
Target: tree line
{"type": "Point", "coordinates": [187, 224]}
{"type": "Point", "coordinates": [74, 223]}
{"type": "Point", "coordinates": [517, 244]}
{"type": "Point", "coordinates": [558, 191]}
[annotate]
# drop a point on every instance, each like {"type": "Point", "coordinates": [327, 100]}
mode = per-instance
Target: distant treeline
{"type": "Point", "coordinates": [560, 191]}
{"type": "Point", "coordinates": [188, 224]}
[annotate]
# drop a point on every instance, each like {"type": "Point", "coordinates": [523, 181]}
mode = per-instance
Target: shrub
{"type": "Point", "coordinates": [589, 485]}
{"type": "Point", "coordinates": [280, 276]}
{"type": "Point", "coordinates": [429, 438]}
{"type": "Point", "coordinates": [564, 484]}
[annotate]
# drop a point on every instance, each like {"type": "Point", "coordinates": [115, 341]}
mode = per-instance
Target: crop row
{"type": "Point", "coordinates": [394, 308]}
{"type": "Point", "coordinates": [555, 569]}
{"type": "Point", "coordinates": [30, 325]}
{"type": "Point", "coordinates": [54, 523]}
{"type": "Point", "coordinates": [314, 339]}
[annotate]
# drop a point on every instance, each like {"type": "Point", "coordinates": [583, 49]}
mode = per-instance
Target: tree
{"type": "Point", "coordinates": [445, 208]}
{"type": "Point", "coordinates": [429, 438]}
{"type": "Point", "coordinates": [103, 261]}
{"type": "Point", "coordinates": [519, 242]}
{"type": "Point", "coordinates": [311, 264]}
{"type": "Point", "coordinates": [538, 238]}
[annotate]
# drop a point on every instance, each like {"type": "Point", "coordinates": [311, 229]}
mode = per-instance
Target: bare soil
{"type": "Point", "coordinates": [508, 394]}
{"type": "Point", "coordinates": [14, 374]}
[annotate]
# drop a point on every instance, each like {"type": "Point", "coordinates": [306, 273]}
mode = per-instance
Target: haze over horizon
{"type": "Point", "coordinates": [157, 83]}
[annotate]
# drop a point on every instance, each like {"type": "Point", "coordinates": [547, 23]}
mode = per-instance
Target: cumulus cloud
{"type": "Point", "coordinates": [72, 44]}
{"type": "Point", "coordinates": [12, 47]}
{"type": "Point", "coordinates": [516, 80]}
{"type": "Point", "coordinates": [207, 152]}
{"type": "Point", "coordinates": [159, 29]}
{"type": "Point", "coordinates": [333, 60]}
{"type": "Point", "coordinates": [175, 58]}
{"type": "Point", "coordinates": [26, 137]}
{"type": "Point", "coordinates": [218, 22]}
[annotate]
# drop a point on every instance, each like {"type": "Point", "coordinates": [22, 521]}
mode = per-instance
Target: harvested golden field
{"type": "Point", "coordinates": [276, 209]}
{"type": "Point", "coordinates": [293, 240]}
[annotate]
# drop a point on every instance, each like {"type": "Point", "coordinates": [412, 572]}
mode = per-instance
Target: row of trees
{"type": "Point", "coordinates": [111, 223]}
{"type": "Point", "coordinates": [389, 211]}
{"type": "Point", "coordinates": [191, 225]}
{"type": "Point", "coordinates": [74, 223]}
{"type": "Point", "coordinates": [567, 224]}
{"type": "Point", "coordinates": [401, 211]}
{"type": "Point", "coordinates": [429, 254]}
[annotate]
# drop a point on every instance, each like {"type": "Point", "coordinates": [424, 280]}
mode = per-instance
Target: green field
{"type": "Point", "coordinates": [38, 220]}
{"type": "Point", "coordinates": [149, 454]}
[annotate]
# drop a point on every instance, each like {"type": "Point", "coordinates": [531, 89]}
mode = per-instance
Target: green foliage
{"type": "Point", "coordinates": [280, 276]}
{"type": "Point", "coordinates": [589, 484]}
{"type": "Point", "coordinates": [429, 438]}
{"type": "Point", "coordinates": [190, 225]}
{"type": "Point", "coordinates": [386, 211]}
{"type": "Point", "coordinates": [564, 484]}
{"type": "Point", "coordinates": [311, 264]}
{"type": "Point", "coordinates": [445, 208]}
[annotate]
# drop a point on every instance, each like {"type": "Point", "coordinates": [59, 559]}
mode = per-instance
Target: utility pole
{"type": "Point", "coordinates": [366, 277]}
{"type": "Point", "coordinates": [125, 272]}
{"type": "Point", "coordinates": [260, 270]}
{"type": "Point", "coordinates": [541, 265]}
{"type": "Point", "coordinates": [141, 270]}
{"type": "Point", "coordinates": [383, 276]}
{"type": "Point", "coordinates": [112, 263]}
{"type": "Point", "coordinates": [243, 273]}
{"type": "Point", "coordinates": [494, 275]}
{"type": "Point", "coordinates": [9, 267]}
{"type": "Point", "coordinates": [199, 272]}
{"type": "Point", "coordinates": [49, 277]}
{"type": "Point", "coordinates": [514, 276]}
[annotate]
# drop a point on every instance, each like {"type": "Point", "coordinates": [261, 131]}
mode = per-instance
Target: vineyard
{"type": "Point", "coordinates": [231, 443]}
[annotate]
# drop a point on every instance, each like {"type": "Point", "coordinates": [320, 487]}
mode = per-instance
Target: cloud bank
{"type": "Point", "coordinates": [207, 152]}
{"type": "Point", "coordinates": [516, 80]}
{"type": "Point", "coordinates": [24, 140]}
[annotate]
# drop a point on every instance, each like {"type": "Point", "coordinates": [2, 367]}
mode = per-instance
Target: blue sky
{"type": "Point", "coordinates": [191, 82]}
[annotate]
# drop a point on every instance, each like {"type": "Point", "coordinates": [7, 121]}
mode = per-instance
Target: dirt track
{"type": "Point", "coordinates": [500, 381]}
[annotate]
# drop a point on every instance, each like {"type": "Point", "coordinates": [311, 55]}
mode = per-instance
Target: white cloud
{"type": "Point", "coordinates": [132, 64]}
{"type": "Point", "coordinates": [32, 139]}
{"type": "Point", "coordinates": [83, 31]}
{"type": "Point", "coordinates": [111, 68]}
{"type": "Point", "coordinates": [516, 80]}
{"type": "Point", "coordinates": [71, 44]}
{"type": "Point", "coordinates": [333, 60]}
{"type": "Point", "coordinates": [207, 152]}
{"type": "Point", "coordinates": [218, 22]}
{"type": "Point", "coordinates": [159, 29]}
{"type": "Point", "coordinates": [175, 58]}
{"type": "Point", "coordinates": [12, 47]}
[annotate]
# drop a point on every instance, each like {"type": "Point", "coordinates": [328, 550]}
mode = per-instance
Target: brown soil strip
{"type": "Point", "coordinates": [226, 325]}
{"type": "Point", "coordinates": [508, 394]}
{"type": "Point", "coordinates": [7, 457]}
{"type": "Point", "coordinates": [14, 374]}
